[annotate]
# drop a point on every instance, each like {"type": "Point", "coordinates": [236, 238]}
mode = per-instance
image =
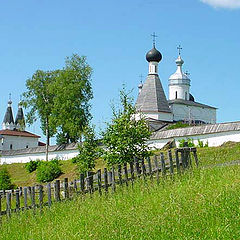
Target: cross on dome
{"type": "Point", "coordinates": [154, 38]}
{"type": "Point", "coordinates": [179, 49]}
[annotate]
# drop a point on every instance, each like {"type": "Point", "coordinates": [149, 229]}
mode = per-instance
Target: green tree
{"type": "Point", "coordinates": [89, 151]}
{"type": "Point", "coordinates": [5, 180]}
{"type": "Point", "coordinates": [125, 137]}
{"type": "Point", "coordinates": [73, 92]}
{"type": "Point", "coordinates": [39, 99]}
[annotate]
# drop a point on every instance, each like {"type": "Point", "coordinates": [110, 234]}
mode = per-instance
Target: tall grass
{"type": "Point", "coordinates": [204, 204]}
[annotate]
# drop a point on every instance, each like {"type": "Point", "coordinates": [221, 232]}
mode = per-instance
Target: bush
{"type": "Point", "coordinates": [48, 171]}
{"type": "Point", "coordinates": [32, 166]}
{"type": "Point", "coordinates": [5, 180]}
{"type": "Point", "coordinates": [189, 142]}
{"type": "Point", "coordinates": [177, 125]}
{"type": "Point", "coordinates": [201, 144]}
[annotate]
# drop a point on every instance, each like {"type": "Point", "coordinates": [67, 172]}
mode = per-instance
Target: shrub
{"type": "Point", "coordinates": [32, 166]}
{"type": "Point", "coordinates": [189, 142]}
{"type": "Point", "coordinates": [177, 125]}
{"type": "Point", "coordinates": [48, 171]}
{"type": "Point", "coordinates": [201, 144]}
{"type": "Point", "coordinates": [5, 180]}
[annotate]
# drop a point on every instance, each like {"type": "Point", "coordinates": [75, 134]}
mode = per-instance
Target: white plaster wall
{"type": "Point", "coordinates": [213, 140]}
{"type": "Point", "coordinates": [153, 68]}
{"type": "Point", "coordinates": [182, 112]}
{"type": "Point", "coordinates": [180, 89]}
{"type": "Point", "coordinates": [23, 158]}
{"type": "Point", "coordinates": [158, 116]}
{"type": "Point", "coordinates": [18, 142]}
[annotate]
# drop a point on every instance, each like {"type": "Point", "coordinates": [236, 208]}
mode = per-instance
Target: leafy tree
{"type": "Point", "coordinates": [39, 99]}
{"type": "Point", "coordinates": [73, 92]}
{"type": "Point", "coordinates": [125, 137]}
{"type": "Point", "coordinates": [5, 180]}
{"type": "Point", "coordinates": [89, 151]}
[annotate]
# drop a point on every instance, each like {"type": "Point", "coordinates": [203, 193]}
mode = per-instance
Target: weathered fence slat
{"type": "Point", "coordinates": [163, 165]}
{"type": "Point", "coordinates": [75, 185]}
{"type": "Point", "coordinates": [82, 183]}
{"type": "Point", "coordinates": [49, 193]}
{"type": "Point", "coordinates": [183, 159]}
{"type": "Point", "coordinates": [195, 156]}
{"type": "Point", "coordinates": [8, 202]}
{"type": "Point", "coordinates": [99, 181]}
{"type": "Point", "coordinates": [136, 160]}
{"type": "Point", "coordinates": [105, 173]}
{"type": "Point", "coordinates": [33, 197]}
{"type": "Point", "coordinates": [120, 174]}
{"type": "Point", "coordinates": [149, 167]}
{"type": "Point", "coordinates": [157, 168]}
{"type": "Point", "coordinates": [113, 180]}
{"type": "Point", "coordinates": [170, 162]}
{"type": "Point", "coordinates": [57, 190]}
{"type": "Point", "coordinates": [25, 190]}
{"type": "Point", "coordinates": [177, 161]}
{"type": "Point", "coordinates": [65, 188]}
{"type": "Point", "coordinates": [125, 173]}
{"type": "Point", "coordinates": [132, 172]}
{"type": "Point", "coordinates": [144, 172]}
{"type": "Point", "coordinates": [17, 200]}
{"type": "Point", "coordinates": [40, 188]}
{"type": "Point", "coordinates": [0, 204]}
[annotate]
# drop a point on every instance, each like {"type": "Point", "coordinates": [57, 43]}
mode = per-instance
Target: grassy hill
{"type": "Point", "coordinates": [207, 156]}
{"type": "Point", "coordinates": [203, 204]}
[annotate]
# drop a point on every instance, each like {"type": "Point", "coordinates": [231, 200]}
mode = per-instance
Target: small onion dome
{"type": "Point", "coordinates": [154, 55]}
{"type": "Point", "coordinates": [179, 61]}
{"type": "Point", "coordinates": [191, 98]}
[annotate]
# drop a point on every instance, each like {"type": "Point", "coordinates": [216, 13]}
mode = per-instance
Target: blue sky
{"type": "Point", "coordinates": [115, 36]}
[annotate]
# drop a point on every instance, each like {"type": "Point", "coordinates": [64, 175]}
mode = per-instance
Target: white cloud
{"type": "Point", "coordinates": [232, 4]}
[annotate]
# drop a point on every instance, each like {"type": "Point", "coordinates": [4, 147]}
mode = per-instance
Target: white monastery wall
{"type": "Point", "coordinates": [17, 142]}
{"type": "Point", "coordinates": [183, 112]}
{"type": "Point", "coordinates": [179, 92]}
{"type": "Point", "coordinates": [158, 116]}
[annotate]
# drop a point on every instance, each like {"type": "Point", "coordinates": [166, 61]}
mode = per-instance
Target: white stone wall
{"type": "Point", "coordinates": [184, 112]}
{"type": "Point", "coordinates": [17, 142]}
{"type": "Point", "coordinates": [158, 116]}
{"type": "Point", "coordinates": [213, 140]}
{"type": "Point", "coordinates": [153, 68]}
{"type": "Point", "coordinates": [23, 158]}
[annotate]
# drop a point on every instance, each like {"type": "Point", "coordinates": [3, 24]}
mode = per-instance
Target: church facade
{"type": "Point", "coordinates": [13, 135]}
{"type": "Point", "coordinates": [180, 105]}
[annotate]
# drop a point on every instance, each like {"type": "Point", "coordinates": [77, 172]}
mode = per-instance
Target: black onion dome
{"type": "Point", "coordinates": [154, 55]}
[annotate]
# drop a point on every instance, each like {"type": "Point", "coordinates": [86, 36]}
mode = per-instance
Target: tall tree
{"type": "Point", "coordinates": [125, 137]}
{"type": "Point", "coordinates": [73, 91]}
{"type": "Point", "coordinates": [39, 99]}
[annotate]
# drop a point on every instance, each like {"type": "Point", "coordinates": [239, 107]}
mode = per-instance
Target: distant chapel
{"type": "Point", "coordinates": [180, 106]}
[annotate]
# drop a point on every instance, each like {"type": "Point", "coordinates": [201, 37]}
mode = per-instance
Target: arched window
{"type": "Point", "coordinates": [176, 95]}
{"type": "Point", "coordinates": [10, 146]}
{"type": "Point", "coordinates": [185, 95]}
{"type": "Point", "coordinates": [27, 146]}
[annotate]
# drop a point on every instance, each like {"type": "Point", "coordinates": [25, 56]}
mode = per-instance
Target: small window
{"type": "Point", "coordinates": [11, 146]}
{"type": "Point", "coordinates": [185, 95]}
{"type": "Point", "coordinates": [155, 69]}
{"type": "Point", "coordinates": [176, 95]}
{"type": "Point", "coordinates": [27, 146]}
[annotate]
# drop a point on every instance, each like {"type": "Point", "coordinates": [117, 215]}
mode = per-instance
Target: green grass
{"type": "Point", "coordinates": [207, 156]}
{"type": "Point", "coordinates": [204, 204]}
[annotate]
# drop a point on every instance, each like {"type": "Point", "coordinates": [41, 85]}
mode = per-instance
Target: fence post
{"type": "Point", "coordinates": [75, 185]}
{"type": "Point", "coordinates": [105, 173]}
{"type": "Point", "coordinates": [65, 187]}
{"type": "Point", "coordinates": [143, 168]}
{"type": "Point", "coordinates": [49, 191]}
{"type": "Point", "coordinates": [132, 172]}
{"type": "Point", "coordinates": [25, 190]}
{"type": "Point", "coordinates": [182, 159]}
{"type": "Point", "coordinates": [40, 187]}
{"type": "Point", "coordinates": [149, 167]}
{"type": "Point", "coordinates": [163, 165]}
{"type": "Point", "coordinates": [157, 168]}
{"type": "Point", "coordinates": [33, 197]}
{"type": "Point", "coordinates": [82, 183]}
{"type": "Point", "coordinates": [8, 202]}
{"type": "Point", "coordinates": [170, 161]}
{"type": "Point", "coordinates": [99, 181]}
{"type": "Point", "coordinates": [113, 180]}
{"type": "Point", "coordinates": [0, 205]}
{"type": "Point", "coordinates": [88, 183]}
{"type": "Point", "coordinates": [57, 190]}
{"type": "Point", "coordinates": [120, 174]}
{"type": "Point", "coordinates": [125, 173]}
{"type": "Point", "coordinates": [177, 161]}
{"type": "Point", "coordinates": [137, 167]}
{"type": "Point", "coordinates": [17, 200]}
{"type": "Point", "coordinates": [195, 156]}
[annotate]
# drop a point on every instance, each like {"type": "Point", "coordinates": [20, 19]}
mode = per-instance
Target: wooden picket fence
{"type": "Point", "coordinates": [43, 195]}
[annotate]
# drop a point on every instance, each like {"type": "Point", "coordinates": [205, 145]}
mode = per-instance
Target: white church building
{"type": "Point", "coordinates": [180, 106]}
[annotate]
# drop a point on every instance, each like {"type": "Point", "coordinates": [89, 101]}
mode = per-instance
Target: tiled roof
{"type": "Point", "coordinates": [152, 97]}
{"type": "Point", "coordinates": [8, 118]}
{"type": "Point", "coordinates": [18, 133]}
{"type": "Point", "coordinates": [197, 130]}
